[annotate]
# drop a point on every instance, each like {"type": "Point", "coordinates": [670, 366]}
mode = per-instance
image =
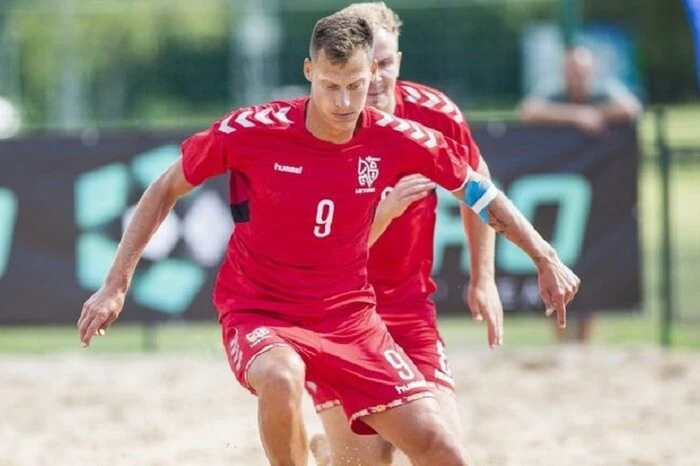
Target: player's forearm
{"type": "Point", "coordinates": [507, 220]}
{"type": "Point", "coordinates": [381, 222]}
{"type": "Point", "coordinates": [494, 208]}
{"type": "Point", "coordinates": [151, 210]}
{"type": "Point", "coordinates": [482, 240]}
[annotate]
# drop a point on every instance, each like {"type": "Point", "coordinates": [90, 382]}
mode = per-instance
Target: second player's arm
{"type": "Point", "coordinates": [443, 161]}
{"type": "Point", "coordinates": [482, 293]}
{"type": "Point", "coordinates": [382, 219]}
{"type": "Point", "coordinates": [408, 190]}
{"type": "Point", "coordinates": [481, 239]}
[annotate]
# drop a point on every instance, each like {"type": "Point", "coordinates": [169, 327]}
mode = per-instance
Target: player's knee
{"type": "Point", "coordinates": [281, 375]}
{"type": "Point", "coordinates": [441, 448]}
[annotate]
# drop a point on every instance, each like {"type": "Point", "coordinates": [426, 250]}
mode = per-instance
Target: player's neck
{"type": "Point", "coordinates": [320, 130]}
{"type": "Point", "coordinates": [391, 107]}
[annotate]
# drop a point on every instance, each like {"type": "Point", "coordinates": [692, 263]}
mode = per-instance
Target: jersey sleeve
{"type": "Point", "coordinates": [209, 153]}
{"type": "Point", "coordinates": [441, 159]}
{"type": "Point", "coordinates": [458, 130]}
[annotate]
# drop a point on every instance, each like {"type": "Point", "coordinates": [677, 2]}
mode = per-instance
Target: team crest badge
{"type": "Point", "coordinates": [367, 173]}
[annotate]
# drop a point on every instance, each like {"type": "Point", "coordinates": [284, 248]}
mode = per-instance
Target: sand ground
{"type": "Point", "coordinates": [554, 406]}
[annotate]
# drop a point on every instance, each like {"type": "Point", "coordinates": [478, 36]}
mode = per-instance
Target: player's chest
{"type": "Point", "coordinates": [352, 175]}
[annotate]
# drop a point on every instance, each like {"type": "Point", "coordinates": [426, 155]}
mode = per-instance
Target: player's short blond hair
{"type": "Point", "coordinates": [378, 15]}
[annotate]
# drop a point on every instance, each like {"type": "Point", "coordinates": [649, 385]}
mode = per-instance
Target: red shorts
{"type": "Point", "coordinates": [352, 355]}
{"type": "Point", "coordinates": [414, 328]}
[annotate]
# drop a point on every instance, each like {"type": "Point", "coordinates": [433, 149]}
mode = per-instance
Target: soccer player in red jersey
{"type": "Point", "coordinates": [401, 259]}
{"type": "Point", "coordinates": [292, 294]}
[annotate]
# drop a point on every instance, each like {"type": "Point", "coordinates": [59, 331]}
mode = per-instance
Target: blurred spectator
{"type": "Point", "coordinates": [590, 108]}
{"type": "Point", "coordinates": [9, 119]}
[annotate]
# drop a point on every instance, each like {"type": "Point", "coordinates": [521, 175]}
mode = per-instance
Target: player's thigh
{"type": "Point", "coordinates": [367, 371]}
{"type": "Point", "coordinates": [348, 448]}
{"type": "Point", "coordinates": [264, 350]}
{"type": "Point", "coordinates": [413, 427]}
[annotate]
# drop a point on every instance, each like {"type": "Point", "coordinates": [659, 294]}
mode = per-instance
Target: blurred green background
{"type": "Point", "coordinates": [75, 63]}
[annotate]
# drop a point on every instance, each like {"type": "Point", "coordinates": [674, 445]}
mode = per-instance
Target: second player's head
{"type": "Point", "coordinates": [386, 26]}
{"type": "Point", "coordinates": [340, 68]}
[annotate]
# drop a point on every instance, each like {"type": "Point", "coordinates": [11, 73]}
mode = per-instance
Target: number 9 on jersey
{"type": "Point", "coordinates": [324, 218]}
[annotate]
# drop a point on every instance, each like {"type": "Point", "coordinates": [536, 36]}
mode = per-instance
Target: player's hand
{"type": "Point", "coordinates": [485, 304]}
{"type": "Point", "coordinates": [99, 311]}
{"type": "Point", "coordinates": [408, 190]}
{"type": "Point", "coordinates": [558, 286]}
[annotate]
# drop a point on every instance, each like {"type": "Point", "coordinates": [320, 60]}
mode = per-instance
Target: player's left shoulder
{"type": "Point", "coordinates": [408, 130]}
{"type": "Point", "coordinates": [429, 101]}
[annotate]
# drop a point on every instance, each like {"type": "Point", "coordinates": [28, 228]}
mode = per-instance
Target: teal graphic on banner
{"type": "Point", "coordinates": [569, 191]}
{"type": "Point", "coordinates": [8, 217]}
{"type": "Point", "coordinates": [101, 198]}
{"type": "Point", "coordinates": [572, 194]}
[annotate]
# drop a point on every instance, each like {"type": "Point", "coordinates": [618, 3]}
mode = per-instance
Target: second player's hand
{"type": "Point", "coordinates": [408, 190]}
{"type": "Point", "coordinates": [99, 311]}
{"type": "Point", "coordinates": [485, 304]}
{"type": "Point", "coordinates": [558, 286]}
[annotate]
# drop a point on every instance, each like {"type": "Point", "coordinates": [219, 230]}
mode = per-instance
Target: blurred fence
{"type": "Point", "coordinates": [670, 189]}
{"type": "Point", "coordinates": [71, 64]}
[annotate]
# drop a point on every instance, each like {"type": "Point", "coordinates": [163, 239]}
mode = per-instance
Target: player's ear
{"type": "Point", "coordinates": [308, 68]}
{"type": "Point", "coordinates": [399, 56]}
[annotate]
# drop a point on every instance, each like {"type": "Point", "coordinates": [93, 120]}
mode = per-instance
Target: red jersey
{"type": "Point", "coordinates": [310, 203]}
{"type": "Point", "coordinates": [401, 260]}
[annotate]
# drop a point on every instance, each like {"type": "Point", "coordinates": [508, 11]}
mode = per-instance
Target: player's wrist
{"type": "Point", "coordinates": [545, 256]}
{"type": "Point", "coordinates": [116, 284]}
{"type": "Point", "coordinates": [482, 277]}
{"type": "Point", "coordinates": [386, 211]}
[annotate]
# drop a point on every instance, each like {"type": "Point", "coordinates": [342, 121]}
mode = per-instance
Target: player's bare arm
{"type": "Point", "coordinates": [103, 307]}
{"type": "Point", "coordinates": [558, 284]}
{"type": "Point", "coordinates": [408, 190]}
{"type": "Point", "coordinates": [482, 294]}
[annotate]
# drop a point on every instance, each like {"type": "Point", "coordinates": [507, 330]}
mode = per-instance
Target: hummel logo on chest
{"type": "Point", "coordinates": [288, 169]}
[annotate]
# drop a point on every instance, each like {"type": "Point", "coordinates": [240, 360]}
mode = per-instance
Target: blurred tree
{"type": "Point", "coordinates": [118, 48]}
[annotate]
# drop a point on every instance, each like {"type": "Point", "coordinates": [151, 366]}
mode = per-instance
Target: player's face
{"type": "Point", "coordinates": [386, 52]}
{"type": "Point", "coordinates": [339, 91]}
